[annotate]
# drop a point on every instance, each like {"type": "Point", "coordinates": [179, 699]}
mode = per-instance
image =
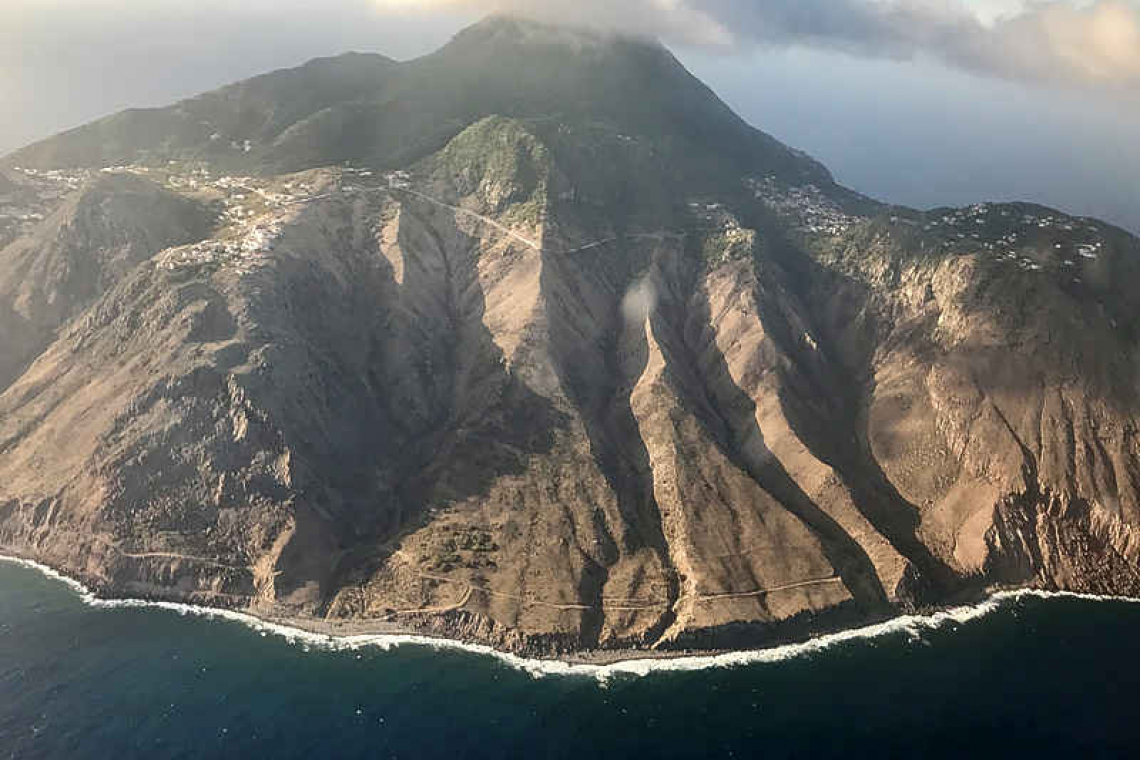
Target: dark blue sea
{"type": "Point", "coordinates": [1057, 677]}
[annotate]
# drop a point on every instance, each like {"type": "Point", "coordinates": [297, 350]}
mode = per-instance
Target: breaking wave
{"type": "Point", "coordinates": [912, 625]}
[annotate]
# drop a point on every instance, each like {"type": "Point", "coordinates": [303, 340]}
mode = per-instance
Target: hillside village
{"type": "Point", "coordinates": [1014, 235]}
{"type": "Point", "coordinates": [254, 210]}
{"type": "Point", "coordinates": [808, 209]}
{"type": "Point", "coordinates": [36, 195]}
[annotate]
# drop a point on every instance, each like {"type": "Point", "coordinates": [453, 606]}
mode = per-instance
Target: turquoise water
{"type": "Point", "coordinates": [1050, 677]}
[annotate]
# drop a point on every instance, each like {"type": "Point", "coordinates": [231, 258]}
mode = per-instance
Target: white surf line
{"type": "Point", "coordinates": [913, 625]}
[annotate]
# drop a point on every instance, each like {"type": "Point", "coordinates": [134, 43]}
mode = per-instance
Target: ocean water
{"type": "Point", "coordinates": [1022, 675]}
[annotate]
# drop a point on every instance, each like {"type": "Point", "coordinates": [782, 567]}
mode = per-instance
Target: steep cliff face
{"type": "Point", "coordinates": [999, 372]}
{"type": "Point", "coordinates": [559, 384]}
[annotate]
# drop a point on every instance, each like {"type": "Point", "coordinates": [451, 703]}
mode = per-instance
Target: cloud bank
{"type": "Point", "coordinates": [1091, 43]}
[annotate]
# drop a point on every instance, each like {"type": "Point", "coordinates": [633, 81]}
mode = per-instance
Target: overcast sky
{"type": "Point", "coordinates": [924, 102]}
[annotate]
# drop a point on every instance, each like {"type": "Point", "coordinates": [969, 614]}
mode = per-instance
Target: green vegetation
{"type": "Point", "coordinates": [672, 136]}
{"type": "Point", "coordinates": [721, 246]}
{"type": "Point", "coordinates": [503, 163]}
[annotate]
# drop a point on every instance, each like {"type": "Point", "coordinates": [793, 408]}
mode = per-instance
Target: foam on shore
{"type": "Point", "coordinates": [913, 625]}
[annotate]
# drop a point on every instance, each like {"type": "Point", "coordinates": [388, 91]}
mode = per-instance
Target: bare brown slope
{"type": "Point", "coordinates": [478, 403]}
{"type": "Point", "coordinates": [90, 241]}
{"type": "Point", "coordinates": [998, 394]}
{"type": "Point", "coordinates": [638, 525]}
{"type": "Point", "coordinates": [283, 431]}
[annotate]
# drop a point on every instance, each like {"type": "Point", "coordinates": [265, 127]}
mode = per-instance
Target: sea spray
{"type": "Point", "coordinates": [912, 625]}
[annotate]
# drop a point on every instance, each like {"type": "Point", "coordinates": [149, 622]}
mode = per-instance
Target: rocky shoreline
{"type": "Point", "coordinates": [468, 633]}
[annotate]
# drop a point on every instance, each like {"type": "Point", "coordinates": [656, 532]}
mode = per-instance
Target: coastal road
{"type": "Point", "coordinates": [616, 605]}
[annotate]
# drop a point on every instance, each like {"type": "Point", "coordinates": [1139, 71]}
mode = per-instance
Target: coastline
{"type": "Point", "coordinates": [353, 635]}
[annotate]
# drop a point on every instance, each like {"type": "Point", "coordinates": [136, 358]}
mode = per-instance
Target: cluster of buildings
{"type": "Point", "coordinates": [398, 180]}
{"type": "Point", "coordinates": [255, 213]}
{"type": "Point", "coordinates": [1030, 241]}
{"type": "Point", "coordinates": [1090, 250]}
{"type": "Point", "coordinates": [248, 246]}
{"type": "Point", "coordinates": [1021, 260]}
{"type": "Point", "coordinates": [806, 205]}
{"type": "Point", "coordinates": [55, 183]}
{"type": "Point", "coordinates": [710, 212]}
{"type": "Point", "coordinates": [715, 216]}
{"type": "Point", "coordinates": [18, 214]}
{"type": "Point", "coordinates": [36, 196]}
{"type": "Point", "coordinates": [976, 214]}
{"type": "Point", "coordinates": [729, 239]}
{"type": "Point", "coordinates": [252, 207]}
{"type": "Point", "coordinates": [235, 192]}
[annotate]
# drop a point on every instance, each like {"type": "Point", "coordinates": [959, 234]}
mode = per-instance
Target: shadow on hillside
{"type": "Point", "coordinates": [729, 415]}
{"type": "Point", "coordinates": [418, 408]}
{"type": "Point", "coordinates": [840, 384]}
{"type": "Point", "coordinates": [604, 406]}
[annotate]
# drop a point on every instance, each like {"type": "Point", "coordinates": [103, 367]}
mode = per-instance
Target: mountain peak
{"type": "Point", "coordinates": [369, 110]}
{"type": "Point", "coordinates": [526, 30]}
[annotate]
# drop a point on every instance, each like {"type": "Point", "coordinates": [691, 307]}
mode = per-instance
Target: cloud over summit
{"type": "Point", "coordinates": [1093, 42]}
